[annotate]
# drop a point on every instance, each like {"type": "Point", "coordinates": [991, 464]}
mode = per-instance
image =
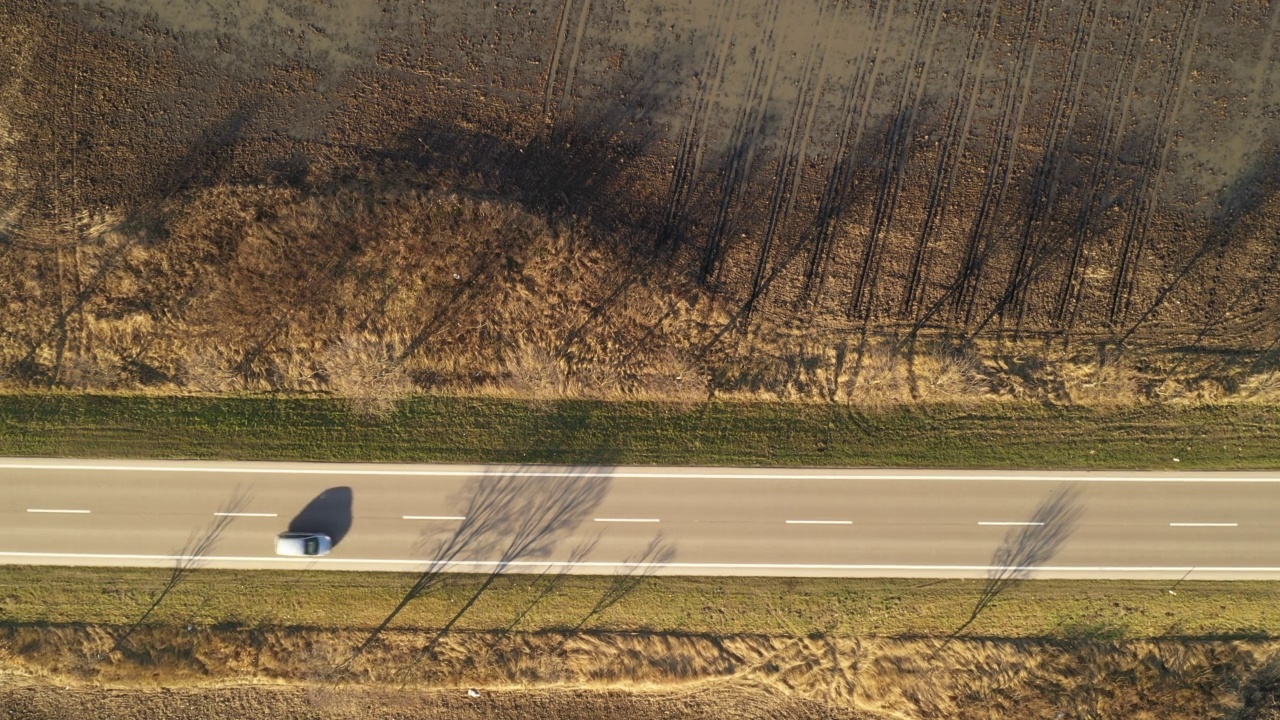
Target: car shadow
{"type": "Point", "coordinates": [328, 513]}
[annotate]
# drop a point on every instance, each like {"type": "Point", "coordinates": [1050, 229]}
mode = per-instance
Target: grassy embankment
{"type": "Point", "coordinates": [447, 429]}
{"type": "Point", "coordinates": [716, 606]}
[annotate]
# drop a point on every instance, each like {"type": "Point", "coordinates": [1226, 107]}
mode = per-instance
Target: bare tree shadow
{"type": "Point", "coordinates": [847, 188]}
{"type": "Point", "coordinates": [328, 513]}
{"type": "Point", "coordinates": [198, 546]}
{"type": "Point", "coordinates": [550, 582]}
{"type": "Point", "coordinates": [526, 523]}
{"type": "Point", "coordinates": [1027, 547]}
{"type": "Point", "coordinates": [575, 165]}
{"type": "Point", "coordinates": [632, 572]}
{"type": "Point", "coordinates": [1240, 216]}
{"type": "Point", "coordinates": [206, 162]}
{"type": "Point", "coordinates": [508, 515]}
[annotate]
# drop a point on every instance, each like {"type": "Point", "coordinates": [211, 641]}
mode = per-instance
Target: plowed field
{"type": "Point", "coordinates": [644, 197]}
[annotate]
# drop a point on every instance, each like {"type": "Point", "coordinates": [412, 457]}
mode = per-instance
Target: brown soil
{"type": "Point", "coordinates": [1070, 201]}
{"type": "Point", "coordinates": [209, 673]}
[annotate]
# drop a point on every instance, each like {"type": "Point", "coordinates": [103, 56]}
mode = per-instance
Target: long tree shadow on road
{"type": "Point", "coordinates": [526, 520]}
{"type": "Point", "coordinates": [192, 556]}
{"type": "Point", "coordinates": [508, 515]}
{"type": "Point", "coordinates": [1027, 547]}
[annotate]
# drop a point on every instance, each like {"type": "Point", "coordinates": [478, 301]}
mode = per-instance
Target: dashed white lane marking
{"type": "Point", "coordinates": [1008, 524]}
{"type": "Point", "coordinates": [433, 517]}
{"type": "Point", "coordinates": [1206, 524]}
{"type": "Point", "coordinates": [240, 514]}
{"type": "Point", "coordinates": [819, 522]}
{"type": "Point", "coordinates": [51, 510]}
{"type": "Point", "coordinates": [628, 520]}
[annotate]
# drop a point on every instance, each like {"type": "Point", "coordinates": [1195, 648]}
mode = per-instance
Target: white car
{"type": "Point", "coordinates": [301, 543]}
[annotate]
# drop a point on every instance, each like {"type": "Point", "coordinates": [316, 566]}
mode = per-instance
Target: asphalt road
{"type": "Point", "coordinates": [694, 521]}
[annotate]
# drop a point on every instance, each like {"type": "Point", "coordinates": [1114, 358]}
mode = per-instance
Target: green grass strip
{"type": "Point", "coordinates": [449, 429]}
{"type": "Point", "coordinates": [718, 606]}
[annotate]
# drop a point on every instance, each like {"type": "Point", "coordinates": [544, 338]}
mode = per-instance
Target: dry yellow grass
{"type": "Point", "coordinates": [885, 678]}
{"type": "Point", "coordinates": [375, 296]}
{"type": "Point", "coordinates": [374, 293]}
{"type": "Point", "coordinates": [367, 372]}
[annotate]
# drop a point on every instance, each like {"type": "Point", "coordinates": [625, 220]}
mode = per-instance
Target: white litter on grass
{"type": "Point", "coordinates": [473, 693]}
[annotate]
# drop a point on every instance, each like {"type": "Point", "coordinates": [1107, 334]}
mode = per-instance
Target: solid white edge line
{"type": "Point", "coordinates": [640, 474]}
{"type": "Point", "coordinates": [819, 522]}
{"type": "Point", "coordinates": [674, 565]}
{"type": "Point", "coordinates": [61, 512]}
{"type": "Point", "coordinates": [1204, 524]}
{"type": "Point", "coordinates": [240, 514]}
{"type": "Point", "coordinates": [628, 520]}
{"type": "Point", "coordinates": [1006, 524]}
{"type": "Point", "coordinates": [433, 517]}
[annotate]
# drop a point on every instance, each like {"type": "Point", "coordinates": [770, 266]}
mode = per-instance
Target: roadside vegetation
{"type": "Point", "coordinates": [358, 602]}
{"type": "Point", "coordinates": [769, 232]}
{"type": "Point", "coordinates": [685, 646]}
{"type": "Point", "coordinates": [459, 429]}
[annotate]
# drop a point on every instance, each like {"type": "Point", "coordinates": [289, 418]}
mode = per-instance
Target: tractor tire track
{"type": "Point", "coordinates": [562, 32]}
{"type": "Point", "coordinates": [818, 91]}
{"type": "Point", "coordinates": [952, 151]}
{"type": "Point", "coordinates": [730, 179]}
{"type": "Point", "coordinates": [840, 179]}
{"type": "Point", "coordinates": [573, 55]}
{"type": "Point", "coordinates": [1148, 194]}
{"type": "Point", "coordinates": [688, 164]}
{"type": "Point", "coordinates": [1000, 165]}
{"type": "Point", "coordinates": [1264, 56]}
{"type": "Point", "coordinates": [787, 182]}
{"type": "Point", "coordinates": [743, 146]}
{"type": "Point", "coordinates": [1027, 74]}
{"type": "Point", "coordinates": [1186, 55]}
{"type": "Point", "coordinates": [57, 206]}
{"type": "Point", "coordinates": [73, 217]}
{"type": "Point", "coordinates": [55, 146]}
{"type": "Point", "coordinates": [925, 30]}
{"type": "Point", "coordinates": [1133, 225]}
{"type": "Point", "coordinates": [832, 195]}
{"type": "Point", "coordinates": [1102, 173]}
{"type": "Point", "coordinates": [976, 243]}
{"type": "Point", "coordinates": [1045, 182]}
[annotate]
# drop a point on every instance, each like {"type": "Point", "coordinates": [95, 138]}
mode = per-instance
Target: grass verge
{"type": "Point", "coordinates": [1108, 610]}
{"type": "Point", "coordinates": [452, 429]}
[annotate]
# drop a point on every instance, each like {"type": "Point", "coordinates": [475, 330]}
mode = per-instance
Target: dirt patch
{"type": "Point", "coordinates": [287, 673]}
{"type": "Point", "coordinates": [597, 197]}
{"type": "Point", "coordinates": [39, 703]}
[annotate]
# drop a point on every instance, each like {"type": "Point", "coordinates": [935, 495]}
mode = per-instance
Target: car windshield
{"type": "Point", "coordinates": [312, 546]}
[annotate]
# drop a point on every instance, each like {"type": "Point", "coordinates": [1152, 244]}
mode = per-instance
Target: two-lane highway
{"type": "Point", "coordinates": [714, 521]}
